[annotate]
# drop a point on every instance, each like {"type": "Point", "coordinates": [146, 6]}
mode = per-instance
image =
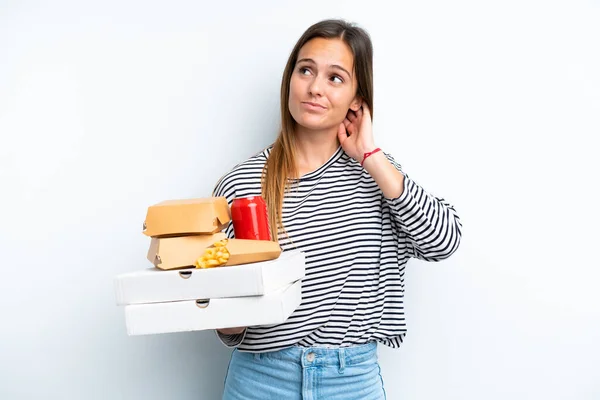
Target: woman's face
{"type": "Point", "coordinates": [323, 85]}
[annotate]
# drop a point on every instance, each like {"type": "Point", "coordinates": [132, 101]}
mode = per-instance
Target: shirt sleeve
{"type": "Point", "coordinates": [431, 224]}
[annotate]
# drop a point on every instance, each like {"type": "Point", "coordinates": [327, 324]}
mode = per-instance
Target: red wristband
{"type": "Point", "coordinates": [368, 154]}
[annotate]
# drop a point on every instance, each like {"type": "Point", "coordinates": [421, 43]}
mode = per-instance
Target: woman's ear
{"type": "Point", "coordinates": [356, 103]}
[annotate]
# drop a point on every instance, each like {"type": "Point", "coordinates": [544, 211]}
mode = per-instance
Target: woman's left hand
{"type": "Point", "coordinates": [356, 133]}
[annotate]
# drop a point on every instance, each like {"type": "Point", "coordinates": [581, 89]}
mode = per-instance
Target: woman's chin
{"type": "Point", "coordinates": [313, 124]}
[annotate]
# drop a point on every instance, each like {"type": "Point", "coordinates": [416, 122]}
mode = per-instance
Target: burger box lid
{"type": "Point", "coordinates": [187, 216]}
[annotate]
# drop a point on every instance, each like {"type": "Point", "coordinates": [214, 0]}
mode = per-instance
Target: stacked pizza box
{"type": "Point", "coordinates": [200, 279]}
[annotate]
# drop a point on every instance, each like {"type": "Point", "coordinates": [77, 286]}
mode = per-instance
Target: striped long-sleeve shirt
{"type": "Point", "coordinates": [356, 243]}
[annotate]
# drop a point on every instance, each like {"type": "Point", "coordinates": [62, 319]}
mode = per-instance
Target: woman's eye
{"type": "Point", "coordinates": [339, 80]}
{"type": "Point", "coordinates": [304, 71]}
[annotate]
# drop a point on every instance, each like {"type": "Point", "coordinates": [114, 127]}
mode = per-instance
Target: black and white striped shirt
{"type": "Point", "coordinates": [356, 243]}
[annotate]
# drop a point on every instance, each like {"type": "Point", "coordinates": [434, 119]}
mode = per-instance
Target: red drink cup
{"type": "Point", "coordinates": [250, 218]}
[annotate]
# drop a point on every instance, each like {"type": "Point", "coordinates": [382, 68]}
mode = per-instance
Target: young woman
{"type": "Point", "coordinates": [356, 215]}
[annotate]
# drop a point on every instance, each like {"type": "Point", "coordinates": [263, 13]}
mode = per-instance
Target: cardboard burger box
{"type": "Point", "coordinates": [152, 285]}
{"type": "Point", "coordinates": [179, 251]}
{"type": "Point", "coordinates": [202, 314]}
{"type": "Point", "coordinates": [187, 217]}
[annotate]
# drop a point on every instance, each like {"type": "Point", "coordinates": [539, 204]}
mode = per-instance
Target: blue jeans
{"type": "Point", "coordinates": [306, 373]}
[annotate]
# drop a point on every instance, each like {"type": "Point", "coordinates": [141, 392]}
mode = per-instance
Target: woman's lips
{"type": "Point", "coordinates": [313, 106]}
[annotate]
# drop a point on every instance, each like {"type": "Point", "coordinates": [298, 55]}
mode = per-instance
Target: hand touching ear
{"type": "Point", "coordinates": [355, 133]}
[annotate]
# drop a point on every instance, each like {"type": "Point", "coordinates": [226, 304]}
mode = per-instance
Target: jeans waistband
{"type": "Point", "coordinates": [325, 356]}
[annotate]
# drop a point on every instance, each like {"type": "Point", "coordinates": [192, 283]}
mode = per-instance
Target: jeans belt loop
{"type": "Point", "coordinates": [342, 356]}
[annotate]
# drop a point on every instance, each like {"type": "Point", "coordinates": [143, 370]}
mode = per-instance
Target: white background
{"type": "Point", "coordinates": [109, 107]}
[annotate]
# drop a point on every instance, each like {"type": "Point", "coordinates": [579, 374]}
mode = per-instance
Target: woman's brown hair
{"type": "Point", "coordinates": [280, 170]}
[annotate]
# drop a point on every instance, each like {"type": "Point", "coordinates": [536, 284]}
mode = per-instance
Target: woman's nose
{"type": "Point", "coordinates": [316, 87]}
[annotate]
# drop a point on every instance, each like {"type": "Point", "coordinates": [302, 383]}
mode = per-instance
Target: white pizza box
{"type": "Point", "coordinates": [152, 285]}
{"type": "Point", "coordinates": [202, 314]}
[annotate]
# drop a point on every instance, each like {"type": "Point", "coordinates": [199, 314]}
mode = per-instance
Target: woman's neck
{"type": "Point", "coordinates": [313, 149]}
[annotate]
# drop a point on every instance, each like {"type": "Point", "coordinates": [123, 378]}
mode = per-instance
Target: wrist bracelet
{"type": "Point", "coordinates": [368, 154]}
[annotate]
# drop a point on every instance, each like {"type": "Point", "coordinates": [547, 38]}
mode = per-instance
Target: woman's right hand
{"type": "Point", "coordinates": [231, 331]}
